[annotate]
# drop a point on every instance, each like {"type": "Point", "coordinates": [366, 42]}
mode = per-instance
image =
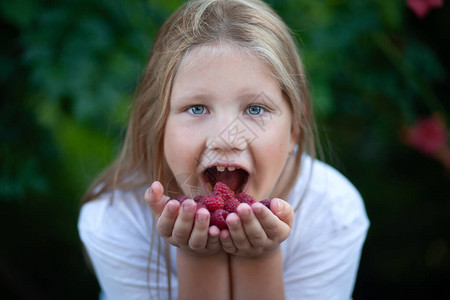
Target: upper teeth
{"type": "Point", "coordinates": [222, 168]}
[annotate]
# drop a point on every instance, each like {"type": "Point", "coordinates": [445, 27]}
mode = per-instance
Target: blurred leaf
{"type": "Point", "coordinates": [323, 99]}
{"type": "Point", "coordinates": [19, 13]}
{"type": "Point", "coordinates": [391, 13]}
{"type": "Point", "coordinates": [68, 70]}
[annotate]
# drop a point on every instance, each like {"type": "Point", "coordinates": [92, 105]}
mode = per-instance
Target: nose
{"type": "Point", "coordinates": [230, 134]}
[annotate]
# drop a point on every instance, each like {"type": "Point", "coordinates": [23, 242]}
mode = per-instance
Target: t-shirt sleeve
{"type": "Point", "coordinates": [118, 239]}
{"type": "Point", "coordinates": [323, 252]}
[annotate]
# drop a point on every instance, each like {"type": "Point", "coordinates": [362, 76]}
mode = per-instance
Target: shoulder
{"type": "Point", "coordinates": [329, 229]}
{"type": "Point", "coordinates": [119, 215]}
{"type": "Point", "coordinates": [326, 200]}
{"type": "Point", "coordinates": [117, 233]}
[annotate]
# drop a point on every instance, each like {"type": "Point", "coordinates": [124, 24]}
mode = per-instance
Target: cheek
{"type": "Point", "coordinates": [271, 149]}
{"type": "Point", "coordinates": [275, 141]}
{"type": "Point", "coordinates": [276, 154]}
{"type": "Point", "coordinates": [180, 147]}
{"type": "Point", "coordinates": [172, 141]}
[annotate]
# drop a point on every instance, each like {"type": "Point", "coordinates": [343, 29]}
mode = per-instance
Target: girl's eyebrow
{"type": "Point", "coordinates": [192, 97]}
{"type": "Point", "coordinates": [251, 96]}
{"type": "Point", "coordinates": [254, 96]}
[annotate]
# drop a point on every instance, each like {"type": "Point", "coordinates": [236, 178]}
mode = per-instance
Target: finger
{"type": "Point", "coordinates": [226, 242]}
{"type": "Point", "coordinates": [167, 219]}
{"type": "Point", "coordinates": [183, 225]}
{"type": "Point", "coordinates": [213, 242]}
{"type": "Point", "coordinates": [274, 228]}
{"type": "Point", "coordinates": [237, 233]}
{"type": "Point", "coordinates": [155, 198]}
{"type": "Point", "coordinates": [282, 210]}
{"type": "Point", "coordinates": [199, 235]}
{"type": "Point", "coordinates": [253, 229]}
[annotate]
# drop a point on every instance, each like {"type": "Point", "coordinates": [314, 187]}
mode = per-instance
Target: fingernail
{"type": "Point", "coordinates": [188, 206]}
{"type": "Point", "coordinates": [245, 210]}
{"type": "Point", "coordinates": [257, 207]}
{"type": "Point", "coordinates": [148, 193]}
{"type": "Point", "coordinates": [172, 205]}
{"type": "Point", "coordinates": [280, 205]}
{"type": "Point", "coordinates": [202, 217]}
{"type": "Point", "coordinates": [234, 222]}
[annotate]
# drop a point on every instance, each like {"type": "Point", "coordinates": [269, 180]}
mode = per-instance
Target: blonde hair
{"type": "Point", "coordinates": [250, 25]}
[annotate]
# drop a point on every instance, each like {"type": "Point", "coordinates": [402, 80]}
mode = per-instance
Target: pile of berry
{"type": "Point", "coordinates": [222, 202]}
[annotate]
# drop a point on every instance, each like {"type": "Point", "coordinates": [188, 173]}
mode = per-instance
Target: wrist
{"type": "Point", "coordinates": [195, 272]}
{"type": "Point", "coordinates": [266, 269]}
{"type": "Point", "coordinates": [267, 255]}
{"type": "Point", "coordinates": [201, 255]}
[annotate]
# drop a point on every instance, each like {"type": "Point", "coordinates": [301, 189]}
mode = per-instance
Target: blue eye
{"type": "Point", "coordinates": [255, 110]}
{"type": "Point", "coordinates": [196, 109]}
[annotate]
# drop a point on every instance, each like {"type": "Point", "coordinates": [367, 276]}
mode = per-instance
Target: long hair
{"type": "Point", "coordinates": [251, 25]}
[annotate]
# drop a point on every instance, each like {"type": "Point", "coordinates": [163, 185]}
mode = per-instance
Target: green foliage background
{"type": "Point", "coordinates": [68, 70]}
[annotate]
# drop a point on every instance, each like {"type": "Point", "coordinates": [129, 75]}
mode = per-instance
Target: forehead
{"type": "Point", "coordinates": [223, 65]}
{"type": "Point", "coordinates": [196, 55]}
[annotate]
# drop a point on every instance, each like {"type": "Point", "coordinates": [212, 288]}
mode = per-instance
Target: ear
{"type": "Point", "coordinates": [295, 135]}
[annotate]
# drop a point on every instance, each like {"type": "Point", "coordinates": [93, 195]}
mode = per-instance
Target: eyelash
{"type": "Point", "coordinates": [195, 106]}
{"type": "Point", "coordinates": [262, 108]}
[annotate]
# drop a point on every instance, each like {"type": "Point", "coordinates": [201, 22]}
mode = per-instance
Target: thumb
{"type": "Point", "coordinates": [282, 210]}
{"type": "Point", "coordinates": [154, 196]}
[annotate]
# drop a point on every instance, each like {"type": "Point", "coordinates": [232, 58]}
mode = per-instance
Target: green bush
{"type": "Point", "coordinates": [68, 70]}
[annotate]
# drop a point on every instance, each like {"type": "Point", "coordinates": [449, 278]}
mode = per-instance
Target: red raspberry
{"type": "Point", "coordinates": [266, 202]}
{"type": "Point", "coordinates": [200, 205]}
{"type": "Point", "coordinates": [222, 190]}
{"type": "Point", "coordinates": [214, 203]}
{"type": "Point", "coordinates": [218, 218]}
{"type": "Point", "coordinates": [199, 199]}
{"type": "Point", "coordinates": [180, 198]}
{"type": "Point", "coordinates": [231, 205]}
{"type": "Point", "coordinates": [244, 198]}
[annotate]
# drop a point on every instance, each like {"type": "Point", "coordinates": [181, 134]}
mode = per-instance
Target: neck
{"type": "Point", "coordinates": [287, 178]}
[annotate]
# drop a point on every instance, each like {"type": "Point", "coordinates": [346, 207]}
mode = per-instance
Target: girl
{"type": "Point", "coordinates": [223, 98]}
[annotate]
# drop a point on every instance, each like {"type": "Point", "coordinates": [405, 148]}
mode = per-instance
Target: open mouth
{"type": "Point", "coordinates": [235, 178]}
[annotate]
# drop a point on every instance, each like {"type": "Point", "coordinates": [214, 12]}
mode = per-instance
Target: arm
{"type": "Point", "coordinates": [203, 271]}
{"type": "Point", "coordinates": [254, 238]}
{"type": "Point", "coordinates": [258, 277]}
{"type": "Point", "coordinates": [323, 264]}
{"type": "Point", "coordinates": [323, 250]}
{"type": "Point", "coordinates": [117, 239]}
{"type": "Point", "coordinates": [202, 277]}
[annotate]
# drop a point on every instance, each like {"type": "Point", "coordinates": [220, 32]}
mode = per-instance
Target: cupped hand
{"type": "Point", "coordinates": [256, 230]}
{"type": "Point", "coordinates": [182, 225]}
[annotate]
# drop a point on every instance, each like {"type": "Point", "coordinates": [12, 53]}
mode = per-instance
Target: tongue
{"type": "Point", "coordinates": [229, 178]}
{"type": "Point", "coordinates": [234, 179]}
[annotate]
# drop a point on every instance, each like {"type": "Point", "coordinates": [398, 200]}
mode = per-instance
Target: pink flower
{"type": "Point", "coordinates": [422, 7]}
{"type": "Point", "coordinates": [428, 135]}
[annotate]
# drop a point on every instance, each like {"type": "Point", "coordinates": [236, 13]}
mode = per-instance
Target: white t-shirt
{"type": "Point", "coordinates": [320, 256]}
